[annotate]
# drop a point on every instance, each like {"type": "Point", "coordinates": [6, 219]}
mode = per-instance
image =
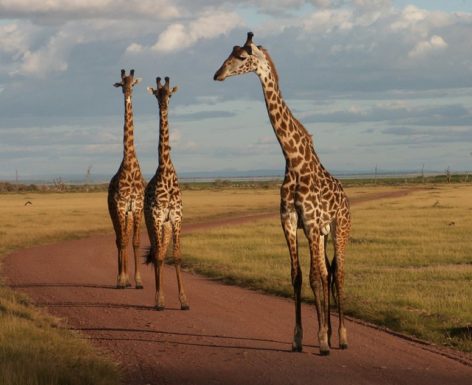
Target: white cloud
{"type": "Point", "coordinates": [208, 25]}
{"type": "Point", "coordinates": [50, 58]}
{"type": "Point", "coordinates": [423, 48]}
{"type": "Point", "coordinates": [329, 20]}
{"type": "Point", "coordinates": [178, 141]}
{"type": "Point", "coordinates": [321, 3]}
{"type": "Point", "coordinates": [372, 4]}
{"type": "Point", "coordinates": [83, 9]}
{"type": "Point", "coordinates": [134, 48]}
{"type": "Point", "coordinates": [13, 39]}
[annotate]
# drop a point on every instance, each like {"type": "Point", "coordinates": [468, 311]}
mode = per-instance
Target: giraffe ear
{"type": "Point", "coordinates": [118, 85]}
{"type": "Point", "coordinates": [174, 90]}
{"type": "Point", "coordinates": [136, 81]}
{"type": "Point", "coordinates": [150, 90]}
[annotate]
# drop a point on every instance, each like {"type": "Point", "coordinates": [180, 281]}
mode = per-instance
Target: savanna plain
{"type": "Point", "coordinates": [408, 266]}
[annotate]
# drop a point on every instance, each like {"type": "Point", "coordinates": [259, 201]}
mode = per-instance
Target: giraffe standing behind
{"type": "Point", "coordinates": [126, 192]}
{"type": "Point", "coordinates": [311, 198]}
{"type": "Point", "coordinates": [163, 203]}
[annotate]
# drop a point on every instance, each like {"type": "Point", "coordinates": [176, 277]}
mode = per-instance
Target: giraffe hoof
{"type": "Point", "coordinates": [184, 307]}
{"type": "Point", "coordinates": [297, 348]}
{"type": "Point", "coordinates": [139, 286]}
{"type": "Point", "coordinates": [324, 352]}
{"type": "Point", "coordinates": [119, 286]}
{"type": "Point", "coordinates": [160, 307]}
{"type": "Point", "coordinates": [343, 346]}
{"type": "Point", "coordinates": [128, 284]}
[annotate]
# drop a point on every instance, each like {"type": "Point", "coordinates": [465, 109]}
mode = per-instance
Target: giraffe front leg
{"type": "Point", "coordinates": [122, 244]}
{"type": "Point", "coordinates": [319, 285]}
{"type": "Point", "coordinates": [128, 229]}
{"type": "Point", "coordinates": [163, 239]}
{"type": "Point", "coordinates": [136, 243]}
{"type": "Point", "coordinates": [289, 225]}
{"type": "Point", "coordinates": [159, 296]}
{"type": "Point", "coordinates": [121, 278]}
{"type": "Point", "coordinates": [178, 260]}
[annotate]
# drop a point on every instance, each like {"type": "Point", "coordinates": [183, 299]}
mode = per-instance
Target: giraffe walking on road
{"type": "Point", "coordinates": [126, 192]}
{"type": "Point", "coordinates": [163, 203]}
{"type": "Point", "coordinates": [311, 198]}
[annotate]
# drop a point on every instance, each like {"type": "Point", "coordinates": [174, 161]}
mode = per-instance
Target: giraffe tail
{"type": "Point", "coordinates": [150, 256]}
{"type": "Point", "coordinates": [332, 283]}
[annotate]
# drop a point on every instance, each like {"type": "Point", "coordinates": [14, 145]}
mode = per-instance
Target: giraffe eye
{"type": "Point", "coordinates": [242, 58]}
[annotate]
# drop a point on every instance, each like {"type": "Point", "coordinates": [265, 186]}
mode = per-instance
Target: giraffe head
{"type": "Point", "coordinates": [127, 82]}
{"type": "Point", "coordinates": [163, 92]}
{"type": "Point", "coordinates": [248, 58]}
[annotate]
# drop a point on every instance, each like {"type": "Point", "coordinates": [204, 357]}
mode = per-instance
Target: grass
{"type": "Point", "coordinates": [57, 216]}
{"type": "Point", "coordinates": [408, 266]}
{"type": "Point", "coordinates": [34, 348]}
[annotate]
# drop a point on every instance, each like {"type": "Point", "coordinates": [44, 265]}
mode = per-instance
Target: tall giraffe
{"type": "Point", "coordinates": [311, 198]}
{"type": "Point", "coordinates": [163, 203]}
{"type": "Point", "coordinates": [126, 192]}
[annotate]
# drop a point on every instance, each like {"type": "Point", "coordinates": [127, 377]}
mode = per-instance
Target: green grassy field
{"type": "Point", "coordinates": [408, 267]}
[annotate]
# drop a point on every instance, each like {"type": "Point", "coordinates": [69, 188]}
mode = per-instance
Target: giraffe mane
{"type": "Point", "coordinates": [307, 134]}
{"type": "Point", "coordinates": [271, 62]}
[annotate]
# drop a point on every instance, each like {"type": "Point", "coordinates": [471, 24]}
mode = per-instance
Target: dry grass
{"type": "Point", "coordinates": [409, 263]}
{"type": "Point", "coordinates": [408, 268]}
{"type": "Point", "coordinates": [58, 216]}
{"type": "Point", "coordinates": [33, 349]}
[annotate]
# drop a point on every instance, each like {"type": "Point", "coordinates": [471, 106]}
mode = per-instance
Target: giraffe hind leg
{"type": "Point", "coordinates": [338, 272]}
{"type": "Point", "coordinates": [330, 285]}
{"type": "Point", "coordinates": [184, 305]}
{"type": "Point", "coordinates": [289, 225]}
{"type": "Point", "coordinates": [319, 285]}
{"type": "Point", "coordinates": [123, 230]}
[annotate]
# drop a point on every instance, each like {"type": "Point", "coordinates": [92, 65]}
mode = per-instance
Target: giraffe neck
{"type": "Point", "coordinates": [128, 137]}
{"type": "Point", "coordinates": [294, 139]}
{"type": "Point", "coordinates": [164, 147]}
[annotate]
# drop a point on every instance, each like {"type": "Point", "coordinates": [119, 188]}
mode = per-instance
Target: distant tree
{"type": "Point", "coordinates": [448, 174]}
{"type": "Point", "coordinates": [88, 177]}
{"type": "Point", "coordinates": [59, 184]}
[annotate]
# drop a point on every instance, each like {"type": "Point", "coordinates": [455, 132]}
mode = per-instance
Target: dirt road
{"type": "Point", "coordinates": [230, 335]}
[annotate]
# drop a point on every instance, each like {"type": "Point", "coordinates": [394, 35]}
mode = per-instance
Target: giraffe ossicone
{"type": "Point", "coordinates": [311, 198]}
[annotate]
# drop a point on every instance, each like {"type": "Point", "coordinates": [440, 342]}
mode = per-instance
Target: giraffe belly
{"type": "Point", "coordinates": [308, 218]}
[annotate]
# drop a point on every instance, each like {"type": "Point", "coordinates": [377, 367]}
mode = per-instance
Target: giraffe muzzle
{"type": "Point", "coordinates": [219, 75]}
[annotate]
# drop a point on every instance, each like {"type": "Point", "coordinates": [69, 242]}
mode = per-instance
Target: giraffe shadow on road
{"type": "Point", "coordinates": [76, 285]}
{"type": "Point", "coordinates": [101, 305]}
{"type": "Point", "coordinates": [179, 338]}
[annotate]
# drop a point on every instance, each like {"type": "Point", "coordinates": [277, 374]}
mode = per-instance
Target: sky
{"type": "Point", "coordinates": [384, 83]}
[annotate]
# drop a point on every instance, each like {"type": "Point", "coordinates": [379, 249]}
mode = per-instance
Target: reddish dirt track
{"type": "Point", "coordinates": [230, 335]}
